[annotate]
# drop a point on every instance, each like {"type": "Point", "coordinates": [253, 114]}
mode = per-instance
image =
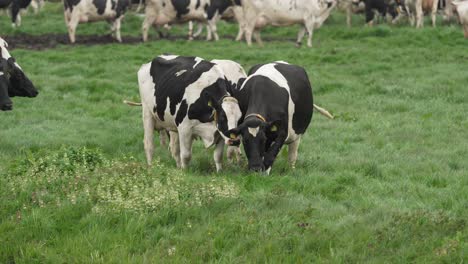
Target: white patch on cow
{"type": "Point", "coordinates": [179, 73]}
{"type": "Point", "coordinates": [253, 131]}
{"type": "Point", "coordinates": [168, 57]}
{"type": "Point", "coordinates": [232, 70]}
{"type": "Point", "coordinates": [1, 73]}
{"type": "Point", "coordinates": [197, 61]}
{"type": "Point", "coordinates": [282, 62]}
{"type": "Point", "coordinates": [3, 43]}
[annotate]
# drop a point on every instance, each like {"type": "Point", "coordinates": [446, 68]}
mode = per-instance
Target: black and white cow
{"type": "Point", "coordinates": [189, 97]}
{"type": "Point", "coordinates": [162, 12]}
{"type": "Point", "coordinates": [277, 105]}
{"type": "Point", "coordinates": [383, 7]}
{"type": "Point", "coordinates": [82, 11]}
{"type": "Point", "coordinates": [13, 81]}
{"type": "Point", "coordinates": [15, 7]}
{"type": "Point", "coordinates": [257, 14]}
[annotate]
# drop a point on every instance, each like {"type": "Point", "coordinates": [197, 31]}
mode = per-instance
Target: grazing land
{"type": "Point", "coordinates": [384, 182]}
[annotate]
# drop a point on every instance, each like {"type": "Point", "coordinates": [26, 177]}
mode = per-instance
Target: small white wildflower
{"type": "Point", "coordinates": [171, 251]}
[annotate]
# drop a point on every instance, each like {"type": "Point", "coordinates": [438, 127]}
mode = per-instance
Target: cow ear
{"type": "Point", "coordinates": [273, 128]}
{"type": "Point", "coordinates": [234, 133]}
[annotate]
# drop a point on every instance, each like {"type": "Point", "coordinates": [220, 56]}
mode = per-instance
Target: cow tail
{"type": "Point", "coordinates": [323, 111]}
{"type": "Point", "coordinates": [130, 103]}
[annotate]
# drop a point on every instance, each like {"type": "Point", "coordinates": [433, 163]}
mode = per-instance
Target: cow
{"type": "Point", "coordinates": [381, 7]}
{"type": "Point", "coordinates": [15, 7]}
{"type": "Point", "coordinates": [82, 11]}
{"type": "Point", "coordinates": [277, 105]}
{"type": "Point", "coordinates": [462, 11]}
{"type": "Point", "coordinates": [260, 13]}
{"type": "Point", "coordinates": [13, 81]}
{"type": "Point", "coordinates": [419, 7]}
{"type": "Point", "coordinates": [189, 97]}
{"type": "Point", "coordinates": [162, 12]}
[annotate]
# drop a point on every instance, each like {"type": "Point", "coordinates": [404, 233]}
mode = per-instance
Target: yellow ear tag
{"type": "Point", "coordinates": [233, 136]}
{"type": "Point", "coordinates": [274, 128]}
{"type": "Point", "coordinates": [210, 103]}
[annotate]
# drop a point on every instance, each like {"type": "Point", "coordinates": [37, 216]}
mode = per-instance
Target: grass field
{"type": "Point", "coordinates": [385, 182]}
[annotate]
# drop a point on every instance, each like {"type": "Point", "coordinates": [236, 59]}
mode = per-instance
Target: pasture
{"type": "Point", "coordinates": [385, 181]}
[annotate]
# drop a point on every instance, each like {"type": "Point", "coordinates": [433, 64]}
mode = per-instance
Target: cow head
{"type": "Point", "coordinates": [5, 102]}
{"type": "Point", "coordinates": [17, 82]}
{"type": "Point", "coordinates": [257, 136]}
{"type": "Point", "coordinates": [226, 114]}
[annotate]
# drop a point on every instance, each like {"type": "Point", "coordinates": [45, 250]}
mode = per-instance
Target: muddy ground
{"type": "Point", "coordinates": [50, 41]}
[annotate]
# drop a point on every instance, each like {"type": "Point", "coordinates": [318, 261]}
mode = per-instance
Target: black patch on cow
{"type": "Point", "coordinates": [121, 8]}
{"type": "Point", "coordinates": [16, 5]}
{"type": "Point", "coordinates": [219, 6]}
{"type": "Point", "coordinates": [69, 4]}
{"type": "Point", "coordinates": [382, 6]}
{"type": "Point", "coordinates": [181, 7]}
{"type": "Point", "coordinates": [198, 4]}
{"type": "Point", "coordinates": [170, 82]}
{"type": "Point", "coordinates": [100, 5]}
{"type": "Point", "coordinates": [200, 110]}
{"type": "Point", "coordinates": [301, 95]}
{"type": "Point", "coordinates": [5, 3]}
{"type": "Point", "coordinates": [181, 113]}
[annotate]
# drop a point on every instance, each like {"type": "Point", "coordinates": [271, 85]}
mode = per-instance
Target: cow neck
{"type": "Point", "coordinates": [259, 116]}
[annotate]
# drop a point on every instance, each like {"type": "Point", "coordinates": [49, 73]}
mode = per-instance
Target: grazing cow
{"type": "Point", "coordinates": [276, 103]}
{"type": "Point", "coordinates": [382, 7]}
{"type": "Point", "coordinates": [260, 13]}
{"type": "Point", "coordinates": [462, 10]}
{"type": "Point", "coordinates": [13, 81]}
{"type": "Point", "coordinates": [82, 11]}
{"type": "Point", "coordinates": [161, 12]}
{"type": "Point", "coordinates": [15, 7]}
{"type": "Point", "coordinates": [419, 7]}
{"type": "Point", "coordinates": [189, 97]}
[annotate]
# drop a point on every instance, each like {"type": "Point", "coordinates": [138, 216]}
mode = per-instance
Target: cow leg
{"type": "Point", "coordinates": [240, 33]}
{"type": "Point", "coordinates": [190, 30]}
{"type": "Point", "coordinates": [72, 24]}
{"type": "Point", "coordinates": [150, 18]}
{"type": "Point", "coordinates": [199, 30]}
{"type": "Point", "coordinates": [349, 13]}
{"type": "Point", "coordinates": [309, 25]}
{"type": "Point", "coordinates": [292, 152]}
{"type": "Point", "coordinates": [163, 135]}
{"type": "Point", "coordinates": [185, 143]}
{"type": "Point", "coordinates": [435, 3]}
{"type": "Point", "coordinates": [233, 153]}
{"type": "Point", "coordinates": [148, 141]}
{"type": "Point", "coordinates": [116, 27]}
{"type": "Point", "coordinates": [300, 36]}
{"type": "Point", "coordinates": [218, 155]}
{"type": "Point", "coordinates": [15, 14]}
{"type": "Point", "coordinates": [258, 38]}
{"type": "Point", "coordinates": [212, 27]}
{"type": "Point", "coordinates": [175, 147]}
{"type": "Point", "coordinates": [419, 16]}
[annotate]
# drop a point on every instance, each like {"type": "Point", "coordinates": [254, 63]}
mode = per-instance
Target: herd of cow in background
{"type": "Point", "coordinates": [251, 15]}
{"type": "Point", "coordinates": [188, 97]}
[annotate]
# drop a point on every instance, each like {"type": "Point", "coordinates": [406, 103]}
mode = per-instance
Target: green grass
{"type": "Point", "coordinates": [385, 182]}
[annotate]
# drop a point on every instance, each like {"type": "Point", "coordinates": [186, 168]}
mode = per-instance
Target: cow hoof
{"type": "Point", "coordinates": [298, 44]}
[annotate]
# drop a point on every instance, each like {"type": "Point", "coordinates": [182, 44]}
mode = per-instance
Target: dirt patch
{"type": "Point", "coordinates": [50, 41]}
